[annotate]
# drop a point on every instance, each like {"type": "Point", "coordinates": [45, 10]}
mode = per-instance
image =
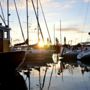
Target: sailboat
{"type": "Point", "coordinates": [40, 55]}
{"type": "Point", "coordinates": [37, 55]}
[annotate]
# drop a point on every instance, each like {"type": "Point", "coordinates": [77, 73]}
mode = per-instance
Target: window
{"type": "Point", "coordinates": [5, 35]}
{"type": "Point", "coordinates": [1, 34]}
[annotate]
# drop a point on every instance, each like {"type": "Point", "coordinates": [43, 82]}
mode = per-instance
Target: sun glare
{"type": "Point", "coordinates": [41, 44]}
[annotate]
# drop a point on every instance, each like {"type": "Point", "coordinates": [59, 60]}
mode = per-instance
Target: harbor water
{"type": "Point", "coordinates": [54, 77]}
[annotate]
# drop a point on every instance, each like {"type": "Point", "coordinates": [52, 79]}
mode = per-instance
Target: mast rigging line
{"type": "Point", "coordinates": [2, 20]}
{"type": "Point", "coordinates": [45, 20]}
{"type": "Point", "coordinates": [37, 19]}
{"type": "Point", "coordinates": [2, 17]}
{"type": "Point", "coordinates": [19, 20]}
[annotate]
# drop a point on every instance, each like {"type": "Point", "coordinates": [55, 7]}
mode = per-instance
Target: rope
{"type": "Point", "coordinates": [22, 60]}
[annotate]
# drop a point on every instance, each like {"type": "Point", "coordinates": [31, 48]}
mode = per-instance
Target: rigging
{"type": "Point", "coordinates": [2, 16]}
{"type": "Point", "coordinates": [37, 20]}
{"type": "Point", "coordinates": [45, 21]}
{"type": "Point", "coordinates": [19, 20]}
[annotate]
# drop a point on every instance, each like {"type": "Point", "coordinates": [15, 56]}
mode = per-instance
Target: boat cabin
{"type": "Point", "coordinates": [4, 38]}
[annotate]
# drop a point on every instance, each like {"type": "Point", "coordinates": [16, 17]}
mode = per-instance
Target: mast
{"type": "Point", "coordinates": [54, 34]}
{"type": "Point", "coordinates": [8, 12]}
{"type": "Point", "coordinates": [8, 18]}
{"type": "Point", "coordinates": [60, 33]}
{"type": "Point", "coordinates": [27, 22]}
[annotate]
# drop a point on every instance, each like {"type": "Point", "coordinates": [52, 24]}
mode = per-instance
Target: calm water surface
{"type": "Point", "coordinates": [71, 78]}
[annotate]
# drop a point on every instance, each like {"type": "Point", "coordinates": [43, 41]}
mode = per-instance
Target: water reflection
{"type": "Point", "coordinates": [60, 76]}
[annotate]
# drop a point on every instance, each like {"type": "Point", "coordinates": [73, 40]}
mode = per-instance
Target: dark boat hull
{"type": "Point", "coordinates": [38, 58]}
{"type": "Point", "coordinates": [85, 59]}
{"type": "Point", "coordinates": [69, 57]}
{"type": "Point", "coordinates": [11, 59]}
{"type": "Point", "coordinates": [10, 78]}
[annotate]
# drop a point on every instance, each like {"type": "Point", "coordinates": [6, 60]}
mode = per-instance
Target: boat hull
{"type": "Point", "coordinates": [85, 59]}
{"type": "Point", "coordinates": [38, 57]}
{"type": "Point", "coordinates": [11, 60]}
{"type": "Point", "coordinates": [70, 57]}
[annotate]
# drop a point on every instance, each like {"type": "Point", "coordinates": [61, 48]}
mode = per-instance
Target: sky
{"type": "Point", "coordinates": [72, 15]}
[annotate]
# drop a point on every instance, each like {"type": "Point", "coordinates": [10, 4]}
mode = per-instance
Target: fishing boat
{"type": "Point", "coordinates": [13, 58]}
{"type": "Point", "coordinates": [9, 59]}
{"type": "Point", "coordinates": [6, 54]}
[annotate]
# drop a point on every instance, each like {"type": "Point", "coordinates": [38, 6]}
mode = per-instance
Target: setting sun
{"type": "Point", "coordinates": [41, 44]}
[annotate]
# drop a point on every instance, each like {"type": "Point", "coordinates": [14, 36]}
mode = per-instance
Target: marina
{"type": "Point", "coordinates": [35, 56]}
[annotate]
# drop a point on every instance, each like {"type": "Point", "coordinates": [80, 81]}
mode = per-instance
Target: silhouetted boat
{"type": "Point", "coordinates": [36, 55]}
{"type": "Point", "coordinates": [13, 58]}
{"type": "Point", "coordinates": [69, 54]}
{"type": "Point", "coordinates": [84, 57]}
{"type": "Point", "coordinates": [38, 58]}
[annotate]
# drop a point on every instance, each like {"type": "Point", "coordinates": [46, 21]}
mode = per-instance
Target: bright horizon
{"type": "Point", "coordinates": [74, 16]}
